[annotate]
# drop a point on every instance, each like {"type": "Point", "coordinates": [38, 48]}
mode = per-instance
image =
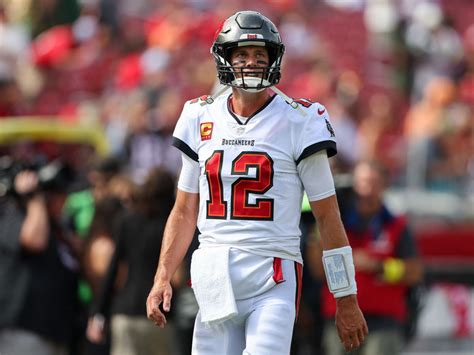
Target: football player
{"type": "Point", "coordinates": [247, 158]}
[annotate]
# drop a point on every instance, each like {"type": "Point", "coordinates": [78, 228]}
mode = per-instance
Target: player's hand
{"type": "Point", "coordinates": [161, 292]}
{"type": "Point", "coordinates": [95, 329]}
{"type": "Point", "coordinates": [350, 323]}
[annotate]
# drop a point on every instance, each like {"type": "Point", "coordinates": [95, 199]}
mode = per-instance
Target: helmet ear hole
{"type": "Point", "coordinates": [272, 54]}
{"type": "Point", "coordinates": [227, 54]}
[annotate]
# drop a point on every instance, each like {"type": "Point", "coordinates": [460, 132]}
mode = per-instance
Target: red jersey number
{"type": "Point", "coordinates": [241, 208]}
{"type": "Point", "coordinates": [216, 206]}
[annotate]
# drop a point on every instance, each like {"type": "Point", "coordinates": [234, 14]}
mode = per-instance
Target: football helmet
{"type": "Point", "coordinates": [248, 28]}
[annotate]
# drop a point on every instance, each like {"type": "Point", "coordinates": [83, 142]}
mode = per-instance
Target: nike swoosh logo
{"type": "Point", "coordinates": [321, 111]}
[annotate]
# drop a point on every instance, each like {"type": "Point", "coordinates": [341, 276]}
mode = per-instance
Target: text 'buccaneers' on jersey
{"type": "Point", "coordinates": [249, 171]}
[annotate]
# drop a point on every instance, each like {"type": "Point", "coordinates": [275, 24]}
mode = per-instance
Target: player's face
{"type": "Point", "coordinates": [250, 61]}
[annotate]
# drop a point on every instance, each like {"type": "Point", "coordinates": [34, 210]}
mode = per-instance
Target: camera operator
{"type": "Point", "coordinates": [38, 275]}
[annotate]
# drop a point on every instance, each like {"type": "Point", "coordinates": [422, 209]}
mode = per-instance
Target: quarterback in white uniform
{"type": "Point", "coordinates": [247, 158]}
{"type": "Point", "coordinates": [249, 188]}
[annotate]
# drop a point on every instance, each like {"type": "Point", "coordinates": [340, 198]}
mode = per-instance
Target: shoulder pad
{"type": "Point", "coordinates": [317, 108]}
{"type": "Point", "coordinates": [202, 99]}
{"type": "Point", "coordinates": [304, 102]}
{"type": "Point", "coordinates": [298, 104]}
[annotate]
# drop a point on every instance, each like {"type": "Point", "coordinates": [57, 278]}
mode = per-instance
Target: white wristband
{"type": "Point", "coordinates": [340, 272]}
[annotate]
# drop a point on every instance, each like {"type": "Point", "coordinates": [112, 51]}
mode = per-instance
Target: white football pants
{"type": "Point", "coordinates": [263, 326]}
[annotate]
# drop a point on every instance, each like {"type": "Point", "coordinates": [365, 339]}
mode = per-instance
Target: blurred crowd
{"type": "Point", "coordinates": [397, 77]}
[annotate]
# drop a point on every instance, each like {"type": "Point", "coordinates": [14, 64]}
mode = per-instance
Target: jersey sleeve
{"type": "Point", "coordinates": [315, 174]}
{"type": "Point", "coordinates": [185, 135]}
{"type": "Point", "coordinates": [189, 177]}
{"type": "Point", "coordinates": [315, 134]}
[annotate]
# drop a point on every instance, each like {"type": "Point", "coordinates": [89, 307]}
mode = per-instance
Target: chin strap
{"type": "Point", "coordinates": [288, 100]}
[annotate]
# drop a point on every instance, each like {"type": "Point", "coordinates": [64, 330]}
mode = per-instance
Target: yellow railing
{"type": "Point", "coordinates": [51, 128]}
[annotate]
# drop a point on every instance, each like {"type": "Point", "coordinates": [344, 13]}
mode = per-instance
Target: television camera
{"type": "Point", "coordinates": [52, 175]}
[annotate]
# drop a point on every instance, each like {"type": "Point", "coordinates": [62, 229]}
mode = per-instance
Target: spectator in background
{"type": "Point", "coordinates": [98, 250]}
{"type": "Point", "coordinates": [344, 109]}
{"type": "Point", "coordinates": [379, 136]}
{"type": "Point", "coordinates": [79, 206]}
{"type": "Point", "coordinates": [451, 155]}
{"type": "Point", "coordinates": [124, 189]}
{"type": "Point", "coordinates": [425, 119]}
{"type": "Point", "coordinates": [115, 122]}
{"type": "Point", "coordinates": [436, 129]}
{"type": "Point", "coordinates": [138, 237]}
{"type": "Point", "coordinates": [386, 262]}
{"type": "Point", "coordinates": [78, 211]}
{"type": "Point", "coordinates": [149, 139]}
{"type": "Point", "coordinates": [433, 43]}
{"type": "Point", "coordinates": [38, 273]}
{"type": "Point", "coordinates": [100, 243]}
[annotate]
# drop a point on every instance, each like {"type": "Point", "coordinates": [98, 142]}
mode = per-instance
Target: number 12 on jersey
{"type": "Point", "coordinates": [241, 188]}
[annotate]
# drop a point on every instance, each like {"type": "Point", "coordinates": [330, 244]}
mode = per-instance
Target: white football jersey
{"type": "Point", "coordinates": [250, 191]}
